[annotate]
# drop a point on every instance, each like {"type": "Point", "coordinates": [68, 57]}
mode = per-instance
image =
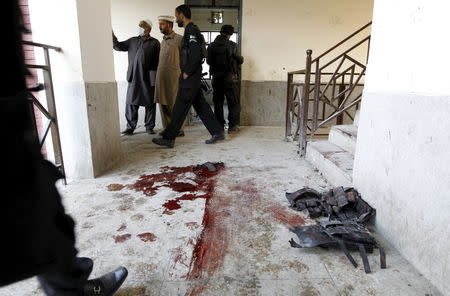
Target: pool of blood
{"type": "Point", "coordinates": [201, 187]}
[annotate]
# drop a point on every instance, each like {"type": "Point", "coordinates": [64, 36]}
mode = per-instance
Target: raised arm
{"type": "Point", "coordinates": [120, 46]}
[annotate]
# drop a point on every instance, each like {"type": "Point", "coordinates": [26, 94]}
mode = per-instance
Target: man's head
{"type": "Point", "coordinates": [166, 24]}
{"type": "Point", "coordinates": [182, 14]}
{"type": "Point", "coordinates": [146, 27]}
{"type": "Point", "coordinates": [227, 31]}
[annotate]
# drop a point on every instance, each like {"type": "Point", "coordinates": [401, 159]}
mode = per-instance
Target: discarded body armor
{"type": "Point", "coordinates": [346, 235]}
{"type": "Point", "coordinates": [346, 211]}
{"type": "Point", "coordinates": [338, 204]}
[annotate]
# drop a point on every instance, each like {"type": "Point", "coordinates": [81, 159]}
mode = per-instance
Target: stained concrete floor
{"type": "Point", "coordinates": [233, 243]}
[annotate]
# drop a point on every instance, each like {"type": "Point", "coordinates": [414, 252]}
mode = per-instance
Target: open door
{"type": "Point", "coordinates": [210, 16]}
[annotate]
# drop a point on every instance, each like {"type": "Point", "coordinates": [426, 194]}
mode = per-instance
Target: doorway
{"type": "Point", "coordinates": [210, 16]}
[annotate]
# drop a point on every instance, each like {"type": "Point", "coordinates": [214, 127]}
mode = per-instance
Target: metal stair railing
{"type": "Point", "coordinates": [50, 111]}
{"type": "Point", "coordinates": [333, 89]}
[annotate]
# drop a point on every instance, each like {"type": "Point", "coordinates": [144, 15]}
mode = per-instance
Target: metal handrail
{"type": "Point", "coordinates": [343, 41]}
{"type": "Point", "coordinates": [297, 105]}
{"type": "Point", "coordinates": [42, 45]}
{"type": "Point", "coordinates": [50, 111]}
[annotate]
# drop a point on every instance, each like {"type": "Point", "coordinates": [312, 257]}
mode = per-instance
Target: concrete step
{"type": "Point", "coordinates": [356, 119]}
{"type": "Point", "coordinates": [335, 164]}
{"type": "Point", "coordinates": [344, 136]}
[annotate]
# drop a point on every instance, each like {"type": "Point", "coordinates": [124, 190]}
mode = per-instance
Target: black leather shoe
{"type": "Point", "coordinates": [128, 131]}
{"type": "Point", "coordinates": [233, 129]}
{"type": "Point", "coordinates": [164, 142]}
{"type": "Point", "coordinates": [150, 131]}
{"type": "Point", "coordinates": [106, 285]}
{"type": "Point", "coordinates": [215, 138]}
{"type": "Point", "coordinates": [181, 134]}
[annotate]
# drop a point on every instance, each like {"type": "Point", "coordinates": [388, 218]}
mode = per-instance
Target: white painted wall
{"type": "Point", "coordinates": [78, 27]}
{"type": "Point", "coordinates": [94, 22]}
{"type": "Point", "coordinates": [276, 34]}
{"type": "Point", "coordinates": [67, 79]}
{"type": "Point", "coordinates": [403, 150]}
{"type": "Point", "coordinates": [125, 16]}
{"type": "Point", "coordinates": [407, 37]}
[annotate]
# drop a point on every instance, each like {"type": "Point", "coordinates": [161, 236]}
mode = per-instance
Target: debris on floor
{"type": "Point", "coordinates": [346, 212]}
{"type": "Point", "coordinates": [337, 204]}
{"type": "Point", "coordinates": [347, 235]}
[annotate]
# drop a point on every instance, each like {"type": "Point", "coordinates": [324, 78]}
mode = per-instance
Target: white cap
{"type": "Point", "coordinates": [149, 22]}
{"type": "Point", "coordinates": [167, 18]}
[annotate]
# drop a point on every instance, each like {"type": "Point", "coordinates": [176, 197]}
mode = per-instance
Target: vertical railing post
{"type": "Point", "coordinates": [315, 114]}
{"type": "Point", "coordinates": [289, 105]}
{"type": "Point", "coordinates": [51, 106]}
{"type": "Point", "coordinates": [340, 118]}
{"type": "Point", "coordinates": [303, 106]}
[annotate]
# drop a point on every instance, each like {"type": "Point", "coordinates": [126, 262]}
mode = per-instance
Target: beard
{"type": "Point", "coordinates": [180, 23]}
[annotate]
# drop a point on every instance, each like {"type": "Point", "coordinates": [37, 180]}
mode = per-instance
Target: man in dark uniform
{"type": "Point", "coordinates": [224, 61]}
{"type": "Point", "coordinates": [38, 237]}
{"type": "Point", "coordinates": [143, 57]}
{"type": "Point", "coordinates": [189, 92]}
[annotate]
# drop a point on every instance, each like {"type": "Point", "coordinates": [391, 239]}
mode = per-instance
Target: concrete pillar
{"type": "Point", "coordinates": [403, 149]}
{"type": "Point", "coordinates": [85, 87]}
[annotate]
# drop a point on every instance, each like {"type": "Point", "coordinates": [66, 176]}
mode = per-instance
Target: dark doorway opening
{"type": "Point", "coordinates": [210, 16]}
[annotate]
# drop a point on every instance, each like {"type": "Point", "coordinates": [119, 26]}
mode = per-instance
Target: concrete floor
{"type": "Point", "coordinates": [234, 243]}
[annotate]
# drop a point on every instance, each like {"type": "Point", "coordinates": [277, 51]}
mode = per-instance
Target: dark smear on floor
{"type": "Point", "coordinates": [202, 184]}
{"type": "Point", "coordinates": [285, 216]}
{"type": "Point", "coordinates": [122, 227]}
{"type": "Point", "coordinates": [121, 238]}
{"type": "Point", "coordinates": [147, 237]}
{"type": "Point", "coordinates": [211, 246]}
{"type": "Point", "coordinates": [245, 202]}
{"type": "Point", "coordinates": [115, 187]}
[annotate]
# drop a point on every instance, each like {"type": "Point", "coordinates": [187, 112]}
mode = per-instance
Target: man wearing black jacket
{"type": "Point", "coordinates": [37, 235]}
{"type": "Point", "coordinates": [224, 61]}
{"type": "Point", "coordinates": [189, 91]}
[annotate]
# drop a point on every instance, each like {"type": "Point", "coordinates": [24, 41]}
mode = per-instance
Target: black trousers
{"type": "Point", "coordinates": [131, 114]}
{"type": "Point", "coordinates": [67, 279]}
{"type": "Point", "coordinates": [225, 87]}
{"type": "Point", "coordinates": [186, 98]}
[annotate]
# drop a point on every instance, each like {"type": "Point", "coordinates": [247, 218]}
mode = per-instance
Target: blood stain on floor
{"type": "Point", "coordinates": [115, 187]}
{"type": "Point", "coordinates": [211, 246]}
{"type": "Point", "coordinates": [191, 225]}
{"type": "Point", "coordinates": [202, 187]}
{"type": "Point", "coordinates": [122, 238]}
{"type": "Point", "coordinates": [122, 227]}
{"type": "Point", "coordinates": [282, 214]}
{"type": "Point", "coordinates": [147, 237]}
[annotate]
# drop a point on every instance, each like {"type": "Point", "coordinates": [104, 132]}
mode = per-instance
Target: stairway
{"type": "Point", "coordinates": [334, 158]}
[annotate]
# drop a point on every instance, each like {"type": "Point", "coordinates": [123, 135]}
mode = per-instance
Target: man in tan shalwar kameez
{"type": "Point", "coordinates": [168, 73]}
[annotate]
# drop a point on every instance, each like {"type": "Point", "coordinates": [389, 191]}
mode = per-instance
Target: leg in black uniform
{"type": "Point", "coordinates": [234, 108]}
{"type": "Point", "coordinates": [206, 115]}
{"type": "Point", "coordinates": [186, 98]}
{"type": "Point", "coordinates": [181, 109]}
{"type": "Point", "coordinates": [218, 97]}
